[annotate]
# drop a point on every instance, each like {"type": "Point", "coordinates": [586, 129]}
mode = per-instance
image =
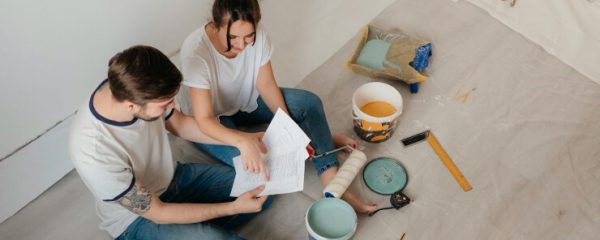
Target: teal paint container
{"type": "Point", "coordinates": [330, 219]}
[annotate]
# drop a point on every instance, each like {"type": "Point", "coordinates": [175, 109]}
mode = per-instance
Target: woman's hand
{"type": "Point", "coordinates": [250, 147]}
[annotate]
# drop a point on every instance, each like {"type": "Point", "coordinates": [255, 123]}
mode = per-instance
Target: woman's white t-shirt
{"type": "Point", "coordinates": [232, 81]}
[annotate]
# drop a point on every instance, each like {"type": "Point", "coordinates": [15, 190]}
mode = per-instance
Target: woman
{"type": "Point", "coordinates": [229, 79]}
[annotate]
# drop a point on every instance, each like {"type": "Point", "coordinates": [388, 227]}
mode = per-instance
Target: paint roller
{"type": "Point", "coordinates": [345, 175]}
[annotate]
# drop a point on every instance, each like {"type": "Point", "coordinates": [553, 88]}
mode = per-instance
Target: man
{"type": "Point", "coordinates": [120, 148]}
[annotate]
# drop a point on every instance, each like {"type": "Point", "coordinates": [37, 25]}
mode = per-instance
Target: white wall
{"type": "Point", "coordinates": [312, 31]}
{"type": "Point", "coordinates": [32, 170]}
{"type": "Point", "coordinates": [53, 53]}
{"type": "Point", "coordinates": [568, 29]}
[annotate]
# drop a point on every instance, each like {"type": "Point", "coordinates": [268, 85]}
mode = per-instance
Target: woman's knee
{"type": "Point", "coordinates": [299, 99]}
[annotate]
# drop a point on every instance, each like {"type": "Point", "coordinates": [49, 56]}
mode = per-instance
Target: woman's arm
{"type": "Point", "coordinates": [185, 127]}
{"type": "Point", "coordinates": [248, 144]}
{"type": "Point", "coordinates": [268, 89]}
{"type": "Point", "coordinates": [270, 92]}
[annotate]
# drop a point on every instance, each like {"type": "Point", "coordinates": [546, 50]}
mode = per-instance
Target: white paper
{"type": "Point", "coordinates": [286, 144]}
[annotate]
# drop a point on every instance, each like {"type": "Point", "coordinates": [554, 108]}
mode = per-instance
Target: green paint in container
{"type": "Point", "coordinates": [330, 219]}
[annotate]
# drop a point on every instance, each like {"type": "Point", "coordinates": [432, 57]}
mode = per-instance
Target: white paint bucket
{"type": "Point", "coordinates": [375, 128]}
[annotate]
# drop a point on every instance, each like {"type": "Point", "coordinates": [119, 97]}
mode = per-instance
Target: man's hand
{"type": "Point", "coordinates": [249, 202]}
{"type": "Point", "coordinates": [250, 145]}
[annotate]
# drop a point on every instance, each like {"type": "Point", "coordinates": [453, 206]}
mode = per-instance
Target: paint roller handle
{"type": "Point", "coordinates": [311, 152]}
{"type": "Point", "coordinates": [328, 152]}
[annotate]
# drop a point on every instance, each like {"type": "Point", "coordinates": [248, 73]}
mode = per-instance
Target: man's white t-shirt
{"type": "Point", "coordinates": [111, 156]}
{"type": "Point", "coordinates": [232, 81]}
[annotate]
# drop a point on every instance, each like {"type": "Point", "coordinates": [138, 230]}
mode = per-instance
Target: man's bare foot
{"type": "Point", "coordinates": [340, 140]}
{"type": "Point", "coordinates": [358, 205]}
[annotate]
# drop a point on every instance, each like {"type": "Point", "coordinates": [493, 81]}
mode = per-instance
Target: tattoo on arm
{"type": "Point", "coordinates": [137, 200]}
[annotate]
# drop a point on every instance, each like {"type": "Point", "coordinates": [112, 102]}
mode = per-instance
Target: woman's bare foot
{"type": "Point", "coordinates": [340, 140]}
{"type": "Point", "coordinates": [358, 205]}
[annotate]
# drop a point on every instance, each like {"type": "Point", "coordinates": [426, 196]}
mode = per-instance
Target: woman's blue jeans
{"type": "Point", "coordinates": [194, 183]}
{"type": "Point", "coordinates": [307, 111]}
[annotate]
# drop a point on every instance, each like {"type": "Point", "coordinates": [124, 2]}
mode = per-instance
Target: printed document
{"type": "Point", "coordinates": [286, 153]}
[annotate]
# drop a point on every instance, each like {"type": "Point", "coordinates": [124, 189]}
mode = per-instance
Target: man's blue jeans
{"type": "Point", "coordinates": [307, 111]}
{"type": "Point", "coordinates": [194, 183]}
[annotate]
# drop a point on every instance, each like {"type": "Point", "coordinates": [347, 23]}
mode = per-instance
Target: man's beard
{"type": "Point", "coordinates": [149, 119]}
{"type": "Point", "coordinates": [142, 115]}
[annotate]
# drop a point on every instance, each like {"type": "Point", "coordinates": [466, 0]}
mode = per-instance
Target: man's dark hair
{"type": "Point", "coordinates": [226, 12]}
{"type": "Point", "coordinates": [141, 74]}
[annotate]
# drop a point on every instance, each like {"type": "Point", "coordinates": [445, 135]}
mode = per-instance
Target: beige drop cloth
{"type": "Point", "coordinates": [523, 127]}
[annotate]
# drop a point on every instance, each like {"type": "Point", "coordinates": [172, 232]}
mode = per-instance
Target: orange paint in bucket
{"type": "Point", "coordinates": [375, 108]}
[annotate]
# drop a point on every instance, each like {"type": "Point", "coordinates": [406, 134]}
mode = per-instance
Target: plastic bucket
{"type": "Point", "coordinates": [330, 219]}
{"type": "Point", "coordinates": [375, 128]}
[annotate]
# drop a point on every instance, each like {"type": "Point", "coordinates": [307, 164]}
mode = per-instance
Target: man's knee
{"type": "Point", "coordinates": [267, 203]}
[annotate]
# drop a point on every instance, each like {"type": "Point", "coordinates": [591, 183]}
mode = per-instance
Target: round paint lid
{"type": "Point", "coordinates": [385, 176]}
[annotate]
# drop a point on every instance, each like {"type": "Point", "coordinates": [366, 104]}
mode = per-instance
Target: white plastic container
{"type": "Point", "coordinates": [371, 128]}
{"type": "Point", "coordinates": [330, 219]}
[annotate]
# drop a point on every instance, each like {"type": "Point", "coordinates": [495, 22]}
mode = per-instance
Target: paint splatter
{"type": "Point", "coordinates": [464, 97]}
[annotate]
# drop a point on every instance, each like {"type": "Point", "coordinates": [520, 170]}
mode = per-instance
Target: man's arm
{"type": "Point", "coordinates": [146, 204]}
